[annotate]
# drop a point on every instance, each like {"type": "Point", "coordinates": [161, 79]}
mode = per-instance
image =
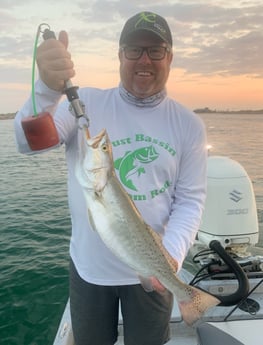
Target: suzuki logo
{"type": "Point", "coordinates": [235, 195]}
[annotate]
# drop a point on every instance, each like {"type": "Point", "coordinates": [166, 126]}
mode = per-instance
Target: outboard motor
{"type": "Point", "coordinates": [229, 226]}
{"type": "Point", "coordinates": [230, 214]}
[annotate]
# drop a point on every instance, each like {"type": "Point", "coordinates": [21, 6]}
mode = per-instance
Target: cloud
{"type": "Point", "coordinates": [215, 40]}
{"type": "Point", "coordinates": [16, 48]}
{"type": "Point", "coordinates": [19, 75]}
{"type": "Point", "coordinates": [211, 37]}
{"type": "Point", "coordinates": [227, 56]}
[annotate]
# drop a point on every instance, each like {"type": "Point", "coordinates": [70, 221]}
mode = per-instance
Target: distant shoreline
{"type": "Point", "coordinates": [206, 110]}
{"type": "Point", "coordinates": [7, 116]}
{"type": "Point", "coordinates": [210, 111]}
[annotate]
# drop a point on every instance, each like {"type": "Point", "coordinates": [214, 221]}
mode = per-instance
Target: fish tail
{"type": "Point", "coordinates": [195, 305]}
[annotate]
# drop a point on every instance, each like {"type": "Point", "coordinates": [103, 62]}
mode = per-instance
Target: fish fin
{"type": "Point", "coordinates": [156, 235]}
{"type": "Point", "coordinates": [193, 307]}
{"type": "Point", "coordinates": [91, 221]}
{"type": "Point", "coordinates": [146, 283]}
{"type": "Point", "coordinates": [151, 284]}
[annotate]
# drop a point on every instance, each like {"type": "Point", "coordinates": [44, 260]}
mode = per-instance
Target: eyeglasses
{"type": "Point", "coordinates": [154, 53]}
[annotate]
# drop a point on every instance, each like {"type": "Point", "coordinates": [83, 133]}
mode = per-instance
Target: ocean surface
{"type": "Point", "coordinates": [35, 224]}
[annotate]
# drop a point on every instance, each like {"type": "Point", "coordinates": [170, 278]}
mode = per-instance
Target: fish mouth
{"type": "Point", "coordinates": [95, 141]}
{"type": "Point", "coordinates": [86, 132]}
{"type": "Point", "coordinates": [96, 170]}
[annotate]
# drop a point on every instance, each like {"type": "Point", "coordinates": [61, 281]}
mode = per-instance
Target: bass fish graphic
{"type": "Point", "coordinates": [133, 163]}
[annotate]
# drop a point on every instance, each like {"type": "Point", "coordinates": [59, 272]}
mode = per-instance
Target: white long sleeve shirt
{"type": "Point", "coordinates": [160, 158]}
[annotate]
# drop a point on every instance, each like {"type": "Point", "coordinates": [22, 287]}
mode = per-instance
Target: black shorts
{"type": "Point", "coordinates": [95, 308]}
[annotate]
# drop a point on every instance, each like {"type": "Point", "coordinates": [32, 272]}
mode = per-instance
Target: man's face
{"type": "Point", "coordinates": [144, 77]}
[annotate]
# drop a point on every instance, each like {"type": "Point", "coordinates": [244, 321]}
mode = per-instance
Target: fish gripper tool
{"type": "Point", "coordinates": [77, 107]}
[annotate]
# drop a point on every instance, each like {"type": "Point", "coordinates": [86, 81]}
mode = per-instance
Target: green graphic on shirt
{"type": "Point", "coordinates": [132, 163]}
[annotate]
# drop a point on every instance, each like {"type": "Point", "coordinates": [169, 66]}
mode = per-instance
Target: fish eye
{"type": "Point", "coordinates": [104, 147]}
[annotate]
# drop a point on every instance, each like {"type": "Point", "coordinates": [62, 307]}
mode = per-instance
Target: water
{"type": "Point", "coordinates": [35, 230]}
{"type": "Point", "coordinates": [35, 225]}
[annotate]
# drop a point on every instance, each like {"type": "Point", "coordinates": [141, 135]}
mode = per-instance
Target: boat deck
{"type": "Point", "coordinates": [181, 334]}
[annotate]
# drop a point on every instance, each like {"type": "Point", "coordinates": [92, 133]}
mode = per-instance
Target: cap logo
{"type": "Point", "coordinates": [149, 18]}
{"type": "Point", "coordinates": [159, 27]}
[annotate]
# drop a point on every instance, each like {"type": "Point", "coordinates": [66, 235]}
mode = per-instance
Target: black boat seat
{"type": "Point", "coordinates": [209, 334]}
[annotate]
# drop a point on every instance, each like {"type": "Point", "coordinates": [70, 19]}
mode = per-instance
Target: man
{"type": "Point", "coordinates": [167, 184]}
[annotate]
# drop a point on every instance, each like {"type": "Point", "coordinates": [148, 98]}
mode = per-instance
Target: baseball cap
{"type": "Point", "coordinates": [148, 21]}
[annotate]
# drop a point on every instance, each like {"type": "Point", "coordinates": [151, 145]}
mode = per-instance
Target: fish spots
{"type": "Point", "coordinates": [196, 304]}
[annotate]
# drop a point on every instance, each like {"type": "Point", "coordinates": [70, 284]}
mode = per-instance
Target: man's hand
{"type": "Point", "coordinates": [54, 62]}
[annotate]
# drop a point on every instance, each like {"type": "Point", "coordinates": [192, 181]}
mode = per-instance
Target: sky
{"type": "Point", "coordinates": [218, 47]}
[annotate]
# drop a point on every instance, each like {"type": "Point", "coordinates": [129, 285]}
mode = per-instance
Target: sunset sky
{"type": "Point", "coordinates": [218, 47]}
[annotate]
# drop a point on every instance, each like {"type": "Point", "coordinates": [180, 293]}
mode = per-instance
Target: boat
{"type": "Point", "coordinates": [224, 261]}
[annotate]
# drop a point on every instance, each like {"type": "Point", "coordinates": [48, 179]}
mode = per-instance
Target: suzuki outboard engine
{"type": "Point", "coordinates": [230, 214]}
{"type": "Point", "coordinates": [228, 231]}
{"type": "Point", "coordinates": [229, 227]}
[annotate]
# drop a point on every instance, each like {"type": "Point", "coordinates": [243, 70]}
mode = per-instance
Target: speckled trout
{"type": "Point", "coordinates": [114, 216]}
